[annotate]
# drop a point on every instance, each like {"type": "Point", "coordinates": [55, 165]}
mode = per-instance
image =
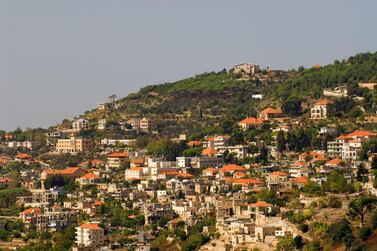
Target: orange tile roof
{"type": "Point", "coordinates": [316, 154]}
{"type": "Point", "coordinates": [252, 121]}
{"type": "Point", "coordinates": [301, 180]}
{"type": "Point", "coordinates": [56, 206]}
{"type": "Point", "coordinates": [300, 163]}
{"type": "Point", "coordinates": [334, 162]}
{"type": "Point", "coordinates": [8, 136]}
{"type": "Point", "coordinates": [23, 156]}
{"type": "Point", "coordinates": [3, 161]}
{"type": "Point", "coordinates": [6, 180]}
{"type": "Point", "coordinates": [90, 176]}
{"type": "Point", "coordinates": [260, 204]}
{"type": "Point", "coordinates": [232, 167]}
{"type": "Point", "coordinates": [209, 151]}
{"type": "Point", "coordinates": [247, 181]}
{"type": "Point", "coordinates": [117, 155]}
{"type": "Point", "coordinates": [67, 171]}
{"type": "Point", "coordinates": [135, 169]}
{"type": "Point", "coordinates": [279, 173]}
{"type": "Point", "coordinates": [270, 110]}
{"type": "Point", "coordinates": [32, 210]}
{"type": "Point", "coordinates": [323, 102]}
{"type": "Point", "coordinates": [98, 203]}
{"type": "Point", "coordinates": [183, 175]}
{"type": "Point", "coordinates": [320, 158]}
{"type": "Point", "coordinates": [91, 226]}
{"type": "Point", "coordinates": [362, 134]}
{"type": "Point", "coordinates": [186, 175]}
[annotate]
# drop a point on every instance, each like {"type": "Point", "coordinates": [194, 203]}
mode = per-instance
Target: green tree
{"type": "Point", "coordinates": [360, 206]}
{"type": "Point", "coordinates": [285, 243]}
{"type": "Point", "coordinates": [298, 242]}
{"type": "Point", "coordinates": [336, 182]}
{"type": "Point", "coordinates": [281, 141]}
{"type": "Point", "coordinates": [292, 106]}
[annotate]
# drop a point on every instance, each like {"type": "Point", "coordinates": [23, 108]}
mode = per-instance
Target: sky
{"type": "Point", "coordinates": [61, 58]}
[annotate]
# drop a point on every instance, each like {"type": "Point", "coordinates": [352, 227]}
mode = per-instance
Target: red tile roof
{"type": "Point", "coordinates": [334, 162]}
{"type": "Point", "coordinates": [247, 181]}
{"type": "Point", "coordinates": [23, 156]}
{"type": "Point", "coordinates": [279, 173]}
{"type": "Point", "coordinates": [362, 134]}
{"type": "Point", "coordinates": [67, 171]}
{"type": "Point", "coordinates": [90, 176]}
{"type": "Point", "coordinates": [209, 151]}
{"type": "Point", "coordinates": [91, 226]}
{"type": "Point", "coordinates": [260, 204]}
{"type": "Point", "coordinates": [183, 175]}
{"type": "Point", "coordinates": [300, 164]}
{"type": "Point", "coordinates": [301, 180]}
{"type": "Point", "coordinates": [117, 155]}
{"type": "Point", "coordinates": [232, 167]}
{"type": "Point", "coordinates": [323, 102]}
{"type": "Point", "coordinates": [252, 121]}
{"type": "Point", "coordinates": [270, 110]}
{"type": "Point", "coordinates": [32, 210]}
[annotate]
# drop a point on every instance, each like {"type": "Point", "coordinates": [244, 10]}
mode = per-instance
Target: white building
{"type": "Point", "coordinates": [145, 124]}
{"type": "Point", "coordinates": [89, 235]}
{"type": "Point", "coordinates": [101, 124]}
{"type": "Point", "coordinates": [348, 146]}
{"type": "Point", "coordinates": [80, 124]}
{"type": "Point", "coordinates": [249, 69]}
{"type": "Point", "coordinates": [113, 142]}
{"type": "Point", "coordinates": [183, 161]}
{"type": "Point", "coordinates": [134, 173]}
{"type": "Point", "coordinates": [320, 109]}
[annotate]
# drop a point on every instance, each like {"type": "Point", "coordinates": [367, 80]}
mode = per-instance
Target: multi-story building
{"type": "Point", "coordinates": [348, 146]}
{"type": "Point", "coordinates": [113, 142]}
{"type": "Point", "coordinates": [216, 141]}
{"type": "Point", "coordinates": [73, 145]}
{"type": "Point", "coordinates": [89, 235]}
{"type": "Point", "coordinates": [250, 123]}
{"type": "Point", "coordinates": [101, 124]}
{"type": "Point", "coordinates": [143, 124]}
{"type": "Point", "coordinates": [80, 124]}
{"type": "Point", "coordinates": [248, 69]}
{"type": "Point", "coordinates": [270, 113]}
{"type": "Point", "coordinates": [22, 144]}
{"type": "Point", "coordinates": [52, 219]}
{"type": "Point", "coordinates": [320, 109]}
{"type": "Point", "coordinates": [134, 173]}
{"type": "Point", "coordinates": [116, 159]}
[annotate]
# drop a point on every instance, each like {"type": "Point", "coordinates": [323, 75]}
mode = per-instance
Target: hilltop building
{"type": "Point", "coordinates": [73, 145]}
{"type": "Point", "coordinates": [320, 109]}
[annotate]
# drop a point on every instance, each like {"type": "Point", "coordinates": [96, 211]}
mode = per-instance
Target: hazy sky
{"type": "Point", "coordinates": [61, 58]}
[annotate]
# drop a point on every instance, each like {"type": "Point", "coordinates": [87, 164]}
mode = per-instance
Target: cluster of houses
{"type": "Point", "coordinates": [209, 185]}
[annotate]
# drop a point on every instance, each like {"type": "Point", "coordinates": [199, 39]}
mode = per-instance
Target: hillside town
{"type": "Point", "coordinates": [288, 176]}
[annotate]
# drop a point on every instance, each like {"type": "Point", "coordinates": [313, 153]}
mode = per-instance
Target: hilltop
{"type": "Point", "coordinates": [209, 98]}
